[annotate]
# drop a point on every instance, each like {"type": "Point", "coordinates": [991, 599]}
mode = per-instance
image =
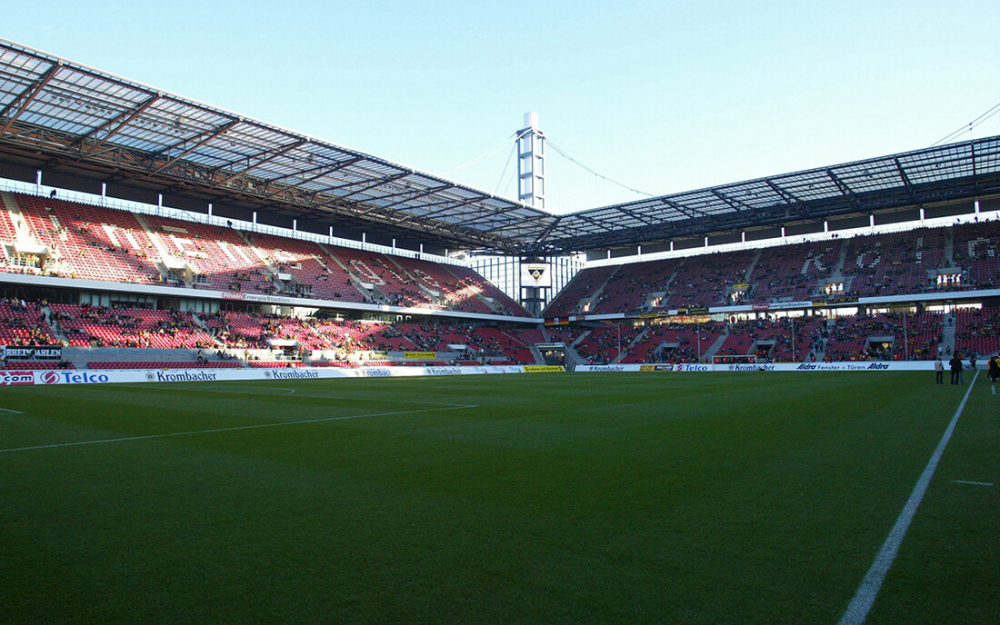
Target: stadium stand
{"type": "Point", "coordinates": [977, 331]}
{"type": "Point", "coordinates": [22, 324]}
{"type": "Point", "coordinates": [792, 272]}
{"type": "Point", "coordinates": [102, 326]}
{"type": "Point", "coordinates": [96, 243]}
{"type": "Point", "coordinates": [883, 337]}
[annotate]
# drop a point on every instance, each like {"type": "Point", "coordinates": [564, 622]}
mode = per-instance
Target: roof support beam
{"type": "Point", "coordinates": [451, 206]}
{"type": "Point", "coordinates": [262, 160]}
{"type": "Point", "coordinates": [736, 204]}
{"type": "Point", "coordinates": [370, 185]}
{"type": "Point", "coordinates": [786, 195]}
{"type": "Point", "coordinates": [636, 216]}
{"type": "Point", "coordinates": [691, 214]}
{"type": "Point", "coordinates": [844, 189]}
{"type": "Point", "coordinates": [414, 196]}
{"type": "Point", "coordinates": [906, 181]}
{"type": "Point", "coordinates": [324, 170]}
{"type": "Point", "coordinates": [112, 126]}
{"type": "Point", "coordinates": [26, 97]}
{"type": "Point", "coordinates": [206, 136]}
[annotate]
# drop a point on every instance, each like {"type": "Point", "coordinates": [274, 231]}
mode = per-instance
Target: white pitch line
{"type": "Point", "coordinates": [8, 410]}
{"type": "Point", "coordinates": [973, 483]}
{"type": "Point", "coordinates": [231, 429]}
{"type": "Point", "coordinates": [861, 605]}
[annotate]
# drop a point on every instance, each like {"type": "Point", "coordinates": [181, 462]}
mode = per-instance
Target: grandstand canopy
{"type": "Point", "coordinates": [83, 127]}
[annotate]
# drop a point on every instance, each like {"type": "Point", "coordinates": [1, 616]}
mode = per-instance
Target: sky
{"type": "Point", "coordinates": [661, 97]}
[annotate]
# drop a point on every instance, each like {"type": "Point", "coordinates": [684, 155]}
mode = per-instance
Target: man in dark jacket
{"type": "Point", "coordinates": [956, 367]}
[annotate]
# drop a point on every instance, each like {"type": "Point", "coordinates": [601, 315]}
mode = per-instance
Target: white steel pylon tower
{"type": "Point", "coordinates": [531, 163]}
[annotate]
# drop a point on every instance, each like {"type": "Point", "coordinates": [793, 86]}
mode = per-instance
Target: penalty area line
{"type": "Point", "coordinates": [9, 410]}
{"type": "Point", "coordinates": [864, 599]}
{"type": "Point", "coordinates": [231, 429]}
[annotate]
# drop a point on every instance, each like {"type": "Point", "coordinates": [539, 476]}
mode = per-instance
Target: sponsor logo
{"type": "Point", "coordinates": [751, 367]}
{"type": "Point", "coordinates": [292, 374]}
{"type": "Point", "coordinates": [185, 376]}
{"type": "Point", "coordinates": [602, 368]}
{"type": "Point", "coordinates": [861, 366]}
{"type": "Point", "coordinates": [74, 377]}
{"type": "Point", "coordinates": [10, 378]}
{"type": "Point", "coordinates": [826, 367]}
{"type": "Point", "coordinates": [663, 367]}
{"type": "Point", "coordinates": [150, 377]}
{"type": "Point", "coordinates": [443, 371]}
{"type": "Point", "coordinates": [34, 353]}
{"type": "Point", "coordinates": [691, 368]}
{"type": "Point", "coordinates": [542, 368]}
{"type": "Point", "coordinates": [419, 355]}
{"type": "Point", "coordinates": [378, 373]}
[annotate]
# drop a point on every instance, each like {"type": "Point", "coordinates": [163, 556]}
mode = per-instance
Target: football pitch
{"type": "Point", "coordinates": [547, 498]}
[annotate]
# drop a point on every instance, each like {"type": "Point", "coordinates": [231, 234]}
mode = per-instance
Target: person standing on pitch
{"type": "Point", "coordinates": [939, 371]}
{"type": "Point", "coordinates": [994, 371]}
{"type": "Point", "coordinates": [956, 368]}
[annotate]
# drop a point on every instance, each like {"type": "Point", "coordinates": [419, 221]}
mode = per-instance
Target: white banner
{"type": "Point", "coordinates": [921, 365]}
{"type": "Point", "coordinates": [112, 376]}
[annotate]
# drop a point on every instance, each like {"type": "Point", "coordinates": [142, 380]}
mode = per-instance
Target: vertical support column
{"type": "Point", "coordinates": [531, 163]}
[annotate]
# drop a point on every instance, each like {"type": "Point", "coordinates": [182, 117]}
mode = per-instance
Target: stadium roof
{"type": "Point", "coordinates": [950, 172]}
{"type": "Point", "coordinates": [62, 117]}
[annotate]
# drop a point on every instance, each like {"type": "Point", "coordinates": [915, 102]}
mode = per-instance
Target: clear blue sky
{"type": "Point", "coordinates": [662, 96]}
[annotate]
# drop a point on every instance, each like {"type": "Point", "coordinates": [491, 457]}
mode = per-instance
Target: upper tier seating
{"type": "Point", "coordinates": [93, 243]}
{"type": "Point", "coordinates": [583, 286]}
{"type": "Point", "coordinates": [98, 243]}
{"type": "Point", "coordinates": [892, 264]}
{"type": "Point", "coordinates": [633, 283]}
{"type": "Point", "coordinates": [704, 280]}
{"type": "Point", "coordinates": [977, 250]}
{"type": "Point", "coordinates": [792, 272]}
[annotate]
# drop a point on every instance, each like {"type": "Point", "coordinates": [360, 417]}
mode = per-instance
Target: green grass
{"type": "Point", "coordinates": [557, 498]}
